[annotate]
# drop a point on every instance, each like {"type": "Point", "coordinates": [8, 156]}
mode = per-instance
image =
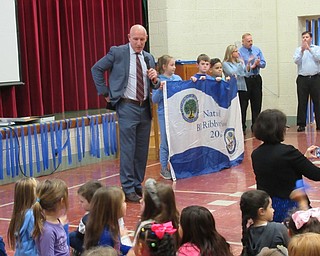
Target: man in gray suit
{"type": "Point", "coordinates": [131, 75]}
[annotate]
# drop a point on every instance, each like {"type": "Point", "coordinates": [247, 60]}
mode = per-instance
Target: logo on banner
{"type": "Point", "coordinates": [189, 108]}
{"type": "Point", "coordinates": [230, 140]}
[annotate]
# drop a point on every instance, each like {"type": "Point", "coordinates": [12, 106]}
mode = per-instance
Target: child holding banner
{"type": "Point", "coordinates": [166, 67]}
{"type": "Point", "coordinates": [216, 69]}
{"type": "Point", "coordinates": [203, 64]}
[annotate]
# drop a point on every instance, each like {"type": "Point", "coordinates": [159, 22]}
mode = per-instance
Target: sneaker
{"type": "Point", "coordinates": [164, 173]}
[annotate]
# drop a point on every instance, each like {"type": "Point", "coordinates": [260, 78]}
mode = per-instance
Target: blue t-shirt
{"type": "Point", "coordinates": [25, 244]}
{"type": "Point", "coordinates": [106, 240]}
{"type": "Point", "coordinates": [157, 95]}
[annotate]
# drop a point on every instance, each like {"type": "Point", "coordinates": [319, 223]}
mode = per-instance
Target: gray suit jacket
{"type": "Point", "coordinates": [117, 62]}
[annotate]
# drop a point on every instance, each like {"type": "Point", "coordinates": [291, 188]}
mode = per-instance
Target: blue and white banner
{"type": "Point", "coordinates": [203, 125]}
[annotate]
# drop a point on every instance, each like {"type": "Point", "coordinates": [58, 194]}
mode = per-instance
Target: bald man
{"type": "Point", "coordinates": [131, 77]}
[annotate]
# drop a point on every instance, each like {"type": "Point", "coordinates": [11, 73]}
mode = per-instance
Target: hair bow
{"type": "Point", "coordinates": [161, 229]}
{"type": "Point", "coordinates": [302, 217]}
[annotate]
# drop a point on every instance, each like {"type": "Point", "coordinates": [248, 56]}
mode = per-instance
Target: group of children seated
{"type": "Point", "coordinates": [39, 224]}
{"type": "Point", "coordinates": [297, 235]}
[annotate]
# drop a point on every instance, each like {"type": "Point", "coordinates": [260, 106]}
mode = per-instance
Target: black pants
{"type": "Point", "coordinates": [308, 85]}
{"type": "Point", "coordinates": [254, 95]}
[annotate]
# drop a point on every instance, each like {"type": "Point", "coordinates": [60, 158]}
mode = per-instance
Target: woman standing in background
{"type": "Point", "coordinates": [233, 65]}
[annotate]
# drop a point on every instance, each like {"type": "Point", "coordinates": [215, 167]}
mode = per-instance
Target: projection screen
{"type": "Point", "coordinates": [10, 73]}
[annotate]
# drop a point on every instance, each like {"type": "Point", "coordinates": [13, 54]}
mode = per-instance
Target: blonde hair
{"type": "Point", "coordinates": [100, 251]}
{"type": "Point", "coordinates": [50, 193]}
{"type": "Point", "coordinates": [106, 209]}
{"type": "Point", "coordinates": [228, 54]}
{"type": "Point", "coordinates": [307, 244]}
{"type": "Point", "coordinates": [24, 198]}
{"type": "Point", "coordinates": [245, 35]}
{"type": "Point", "coordinates": [163, 61]}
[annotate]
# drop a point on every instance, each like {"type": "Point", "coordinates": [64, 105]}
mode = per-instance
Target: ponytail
{"type": "Point", "coordinates": [39, 219]}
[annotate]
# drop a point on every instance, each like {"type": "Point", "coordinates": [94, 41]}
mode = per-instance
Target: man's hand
{"type": "Point", "coordinates": [153, 75]}
{"type": "Point", "coordinates": [304, 46]}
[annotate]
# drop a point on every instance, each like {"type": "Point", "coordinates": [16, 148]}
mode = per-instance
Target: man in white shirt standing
{"type": "Point", "coordinates": [307, 57]}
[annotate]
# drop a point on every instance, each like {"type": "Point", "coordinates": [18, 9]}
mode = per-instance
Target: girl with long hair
{"type": "Point", "coordinates": [106, 208]}
{"type": "Point", "coordinates": [258, 230]}
{"type": "Point", "coordinates": [158, 205]}
{"type": "Point", "coordinates": [199, 236]}
{"type": "Point", "coordinates": [22, 220]}
{"type": "Point", "coordinates": [49, 213]}
{"type": "Point", "coordinates": [155, 239]}
{"type": "Point", "coordinates": [166, 67]}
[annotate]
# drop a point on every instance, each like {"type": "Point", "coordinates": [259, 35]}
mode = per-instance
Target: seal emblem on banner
{"type": "Point", "coordinates": [230, 140]}
{"type": "Point", "coordinates": [189, 108]}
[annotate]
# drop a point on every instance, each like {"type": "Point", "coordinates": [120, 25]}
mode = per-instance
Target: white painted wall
{"type": "Point", "coordinates": [187, 28]}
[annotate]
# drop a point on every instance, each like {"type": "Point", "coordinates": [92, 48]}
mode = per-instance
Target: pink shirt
{"type": "Point", "coordinates": [188, 249]}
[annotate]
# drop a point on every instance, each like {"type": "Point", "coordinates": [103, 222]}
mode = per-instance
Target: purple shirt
{"type": "Point", "coordinates": [53, 240]}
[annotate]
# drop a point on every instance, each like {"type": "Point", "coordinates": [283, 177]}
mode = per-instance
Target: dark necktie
{"type": "Point", "coordinates": [140, 86]}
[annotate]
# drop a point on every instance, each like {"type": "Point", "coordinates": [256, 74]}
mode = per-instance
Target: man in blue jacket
{"type": "Point", "coordinates": [131, 75]}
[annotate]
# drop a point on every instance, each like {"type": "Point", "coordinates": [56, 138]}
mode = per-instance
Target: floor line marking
{"type": "Point", "coordinates": [109, 176]}
{"type": "Point", "coordinates": [235, 243]}
{"type": "Point", "coordinates": [7, 204]}
{"type": "Point", "coordinates": [103, 178]}
{"type": "Point", "coordinates": [79, 185]}
{"type": "Point", "coordinates": [247, 139]}
{"type": "Point", "coordinates": [151, 165]}
{"type": "Point", "coordinates": [5, 219]}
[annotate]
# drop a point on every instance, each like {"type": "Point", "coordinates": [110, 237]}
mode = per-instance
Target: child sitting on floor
{"type": "Point", "coordinates": [22, 221]}
{"type": "Point", "coordinates": [156, 239]}
{"type": "Point", "coordinates": [258, 230]}
{"type": "Point", "coordinates": [49, 218]}
{"type": "Point", "coordinates": [85, 194]}
{"type": "Point", "coordinates": [199, 235]}
{"type": "Point", "coordinates": [158, 205]}
{"type": "Point", "coordinates": [106, 208]}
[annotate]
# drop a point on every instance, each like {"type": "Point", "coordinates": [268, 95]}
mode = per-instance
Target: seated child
{"type": "Point", "coordinates": [49, 212]}
{"type": "Point", "coordinates": [258, 230]}
{"type": "Point", "coordinates": [22, 220]}
{"type": "Point", "coordinates": [307, 244]}
{"type": "Point", "coordinates": [106, 208]}
{"type": "Point", "coordinates": [203, 64]}
{"type": "Point", "coordinates": [156, 240]}
{"type": "Point", "coordinates": [85, 194]}
{"type": "Point", "coordinates": [158, 205]}
{"type": "Point", "coordinates": [304, 221]}
{"type": "Point", "coordinates": [100, 251]}
{"type": "Point", "coordinates": [199, 235]}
